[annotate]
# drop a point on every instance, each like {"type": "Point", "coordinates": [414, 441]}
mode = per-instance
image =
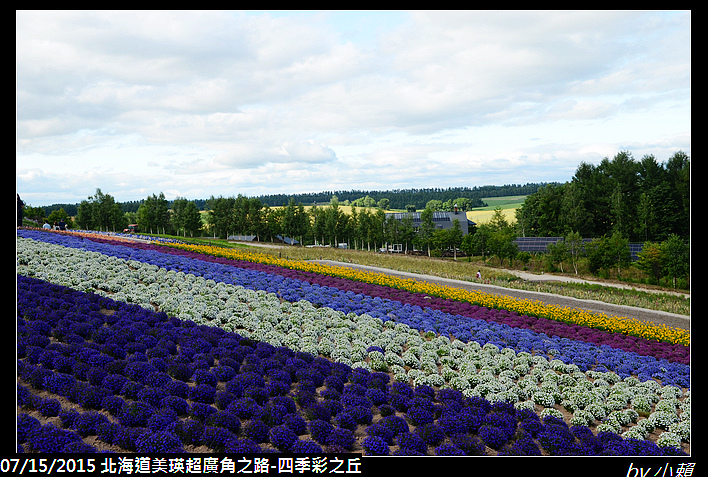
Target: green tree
{"type": "Point", "coordinates": [273, 218]}
{"type": "Point", "coordinates": [478, 243]}
{"type": "Point", "coordinates": [406, 232]}
{"type": "Point", "coordinates": [220, 215]}
{"type": "Point", "coordinates": [574, 242]}
{"type": "Point", "coordinates": [378, 219]}
{"type": "Point", "coordinates": [623, 174]}
{"type": "Point", "coordinates": [676, 258]}
{"type": "Point", "coordinates": [295, 220]}
{"type": "Point", "coordinates": [501, 237]}
{"type": "Point", "coordinates": [447, 239]}
{"type": "Point", "coordinates": [100, 212]}
{"type": "Point", "coordinates": [186, 217]}
{"type": "Point", "coordinates": [606, 253]}
{"type": "Point", "coordinates": [35, 214]}
{"type": "Point", "coordinates": [58, 215]}
{"type": "Point", "coordinates": [541, 214]}
{"type": "Point", "coordinates": [619, 249]}
{"type": "Point", "coordinates": [678, 169]}
{"type": "Point", "coordinates": [246, 215]}
{"type": "Point", "coordinates": [177, 218]}
{"type": "Point", "coordinates": [335, 223]}
{"type": "Point", "coordinates": [392, 228]}
{"type": "Point", "coordinates": [438, 242]}
{"type": "Point", "coordinates": [383, 204]}
{"type": "Point", "coordinates": [455, 236]}
{"type": "Point", "coordinates": [254, 218]}
{"type": "Point", "coordinates": [154, 215]}
{"type": "Point", "coordinates": [434, 204]}
{"type": "Point", "coordinates": [557, 253]}
{"type": "Point", "coordinates": [425, 230]}
{"type": "Point", "coordinates": [651, 260]}
{"type": "Point", "coordinates": [467, 246]}
{"type": "Point", "coordinates": [319, 224]}
{"type": "Point", "coordinates": [463, 203]}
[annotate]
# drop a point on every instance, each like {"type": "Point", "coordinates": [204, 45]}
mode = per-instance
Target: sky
{"type": "Point", "coordinates": [197, 104]}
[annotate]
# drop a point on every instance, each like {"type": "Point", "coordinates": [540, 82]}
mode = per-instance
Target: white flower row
{"type": "Point", "coordinates": [496, 374]}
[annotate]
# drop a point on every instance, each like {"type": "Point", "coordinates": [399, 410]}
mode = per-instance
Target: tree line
{"type": "Point", "coordinates": [404, 199]}
{"type": "Point", "coordinates": [154, 215]}
{"type": "Point", "coordinates": [640, 200]}
{"type": "Point", "coordinates": [409, 199]}
{"type": "Point", "coordinates": [605, 207]}
{"type": "Point", "coordinates": [325, 225]}
{"type": "Point", "coordinates": [597, 213]}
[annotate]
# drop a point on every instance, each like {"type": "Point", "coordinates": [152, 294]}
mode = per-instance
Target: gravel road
{"type": "Point", "coordinates": [669, 319]}
{"type": "Point", "coordinates": [672, 320]}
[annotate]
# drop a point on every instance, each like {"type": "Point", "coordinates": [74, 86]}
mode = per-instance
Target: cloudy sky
{"type": "Point", "coordinates": [202, 103]}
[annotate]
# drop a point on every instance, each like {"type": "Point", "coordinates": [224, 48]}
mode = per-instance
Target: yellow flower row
{"type": "Point", "coordinates": [614, 324]}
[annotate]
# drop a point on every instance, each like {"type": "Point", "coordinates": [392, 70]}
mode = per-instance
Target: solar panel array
{"type": "Point", "coordinates": [438, 216]}
{"type": "Point", "coordinates": [540, 244]}
{"type": "Point", "coordinates": [634, 249]}
{"type": "Point", "coordinates": [535, 244]}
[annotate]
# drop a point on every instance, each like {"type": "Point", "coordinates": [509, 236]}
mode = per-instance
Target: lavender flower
{"type": "Point", "coordinates": [431, 434]}
{"type": "Point", "coordinates": [162, 442]}
{"type": "Point", "coordinates": [375, 445]}
{"type": "Point", "coordinates": [25, 423]}
{"type": "Point", "coordinates": [305, 446]}
{"type": "Point", "coordinates": [217, 437]}
{"type": "Point", "coordinates": [86, 424]}
{"type": "Point", "coordinates": [49, 439]}
{"type": "Point", "coordinates": [282, 437]}
{"type": "Point", "coordinates": [202, 393]}
{"type": "Point", "coordinates": [242, 446]}
{"type": "Point", "coordinates": [78, 447]}
{"type": "Point", "coordinates": [189, 431]}
{"type": "Point", "coordinates": [256, 430]}
{"type": "Point", "coordinates": [135, 414]}
{"type": "Point", "coordinates": [340, 438]}
{"type": "Point", "coordinates": [201, 411]}
{"type": "Point", "coordinates": [320, 430]}
{"type": "Point", "coordinates": [177, 404]}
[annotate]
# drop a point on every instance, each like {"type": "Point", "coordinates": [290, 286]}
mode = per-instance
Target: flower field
{"type": "Point", "coordinates": [136, 347]}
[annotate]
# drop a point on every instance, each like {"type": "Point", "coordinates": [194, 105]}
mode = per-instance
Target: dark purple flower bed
{"type": "Point", "coordinates": [141, 381]}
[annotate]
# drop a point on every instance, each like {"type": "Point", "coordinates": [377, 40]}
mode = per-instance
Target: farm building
{"type": "Point", "coordinates": [442, 220]}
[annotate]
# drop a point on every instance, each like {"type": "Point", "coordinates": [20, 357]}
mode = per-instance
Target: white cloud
{"type": "Point", "coordinates": [216, 102]}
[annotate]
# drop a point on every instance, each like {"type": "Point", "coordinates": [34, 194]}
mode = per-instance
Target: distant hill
{"type": "Point", "coordinates": [398, 198]}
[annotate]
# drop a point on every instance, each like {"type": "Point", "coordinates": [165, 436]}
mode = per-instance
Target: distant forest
{"type": "Point", "coordinates": [401, 198]}
{"type": "Point", "coordinates": [398, 198]}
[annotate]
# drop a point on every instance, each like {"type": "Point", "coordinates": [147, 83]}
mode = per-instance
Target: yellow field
{"type": "Point", "coordinates": [483, 216]}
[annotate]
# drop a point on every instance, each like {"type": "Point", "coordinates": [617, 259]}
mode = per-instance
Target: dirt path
{"type": "Point", "coordinates": [669, 319]}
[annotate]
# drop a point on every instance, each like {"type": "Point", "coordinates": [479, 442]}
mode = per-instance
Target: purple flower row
{"type": "Point", "coordinates": [146, 382]}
